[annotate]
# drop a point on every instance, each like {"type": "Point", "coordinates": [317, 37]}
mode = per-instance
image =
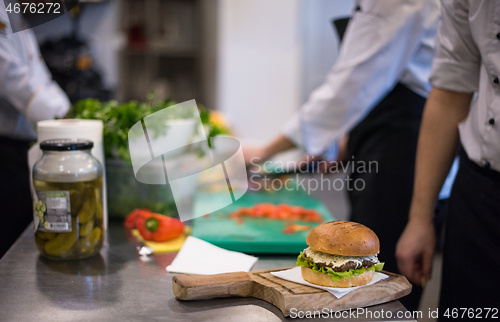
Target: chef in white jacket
{"type": "Point", "coordinates": [27, 95]}
{"type": "Point", "coordinates": [375, 92]}
{"type": "Point", "coordinates": [467, 64]}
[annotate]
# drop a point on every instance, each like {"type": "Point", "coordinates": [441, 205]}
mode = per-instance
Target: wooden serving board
{"type": "Point", "coordinates": [286, 295]}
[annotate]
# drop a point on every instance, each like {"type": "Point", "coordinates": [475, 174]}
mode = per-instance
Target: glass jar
{"type": "Point", "coordinates": [68, 212]}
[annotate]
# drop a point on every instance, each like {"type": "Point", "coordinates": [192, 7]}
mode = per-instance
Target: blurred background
{"type": "Point", "coordinates": [249, 64]}
{"type": "Point", "coordinates": [254, 60]}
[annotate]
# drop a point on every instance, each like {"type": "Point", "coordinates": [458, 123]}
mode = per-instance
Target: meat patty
{"type": "Point", "coordinates": [344, 267]}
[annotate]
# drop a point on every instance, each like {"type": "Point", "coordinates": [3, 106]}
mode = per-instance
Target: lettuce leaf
{"type": "Point", "coordinates": [336, 276]}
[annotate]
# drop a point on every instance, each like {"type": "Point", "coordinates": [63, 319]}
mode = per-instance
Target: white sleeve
{"type": "Point", "coordinates": [379, 41]}
{"type": "Point", "coordinates": [458, 60]}
{"type": "Point", "coordinates": [29, 89]}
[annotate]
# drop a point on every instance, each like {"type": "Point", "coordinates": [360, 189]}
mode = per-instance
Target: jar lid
{"type": "Point", "coordinates": [66, 145]}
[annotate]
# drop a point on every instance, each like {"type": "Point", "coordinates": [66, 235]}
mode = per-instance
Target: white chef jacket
{"type": "Point", "coordinates": [27, 92]}
{"type": "Point", "coordinates": [386, 42]}
{"type": "Point", "coordinates": [468, 60]}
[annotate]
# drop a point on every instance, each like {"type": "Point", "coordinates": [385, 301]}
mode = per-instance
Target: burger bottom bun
{"type": "Point", "coordinates": [326, 280]}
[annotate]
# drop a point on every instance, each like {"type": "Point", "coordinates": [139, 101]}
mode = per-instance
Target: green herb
{"type": "Point", "coordinates": [119, 118]}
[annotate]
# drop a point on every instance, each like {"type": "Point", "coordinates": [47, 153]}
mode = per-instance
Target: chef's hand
{"type": "Point", "coordinates": [333, 166]}
{"type": "Point", "coordinates": [343, 150]}
{"type": "Point", "coordinates": [415, 250]}
{"type": "Point", "coordinates": [254, 155]}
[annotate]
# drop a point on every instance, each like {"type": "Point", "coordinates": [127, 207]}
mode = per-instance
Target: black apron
{"type": "Point", "coordinates": [387, 135]}
{"type": "Point", "coordinates": [471, 255]}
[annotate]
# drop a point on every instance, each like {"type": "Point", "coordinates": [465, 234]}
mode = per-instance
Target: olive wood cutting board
{"type": "Point", "coordinates": [286, 295]}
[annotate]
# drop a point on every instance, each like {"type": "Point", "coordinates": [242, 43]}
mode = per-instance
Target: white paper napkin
{"type": "Point", "coordinates": [294, 275]}
{"type": "Point", "coordinates": [199, 257]}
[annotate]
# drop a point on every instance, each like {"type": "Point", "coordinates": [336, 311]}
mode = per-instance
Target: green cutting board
{"type": "Point", "coordinates": [256, 235]}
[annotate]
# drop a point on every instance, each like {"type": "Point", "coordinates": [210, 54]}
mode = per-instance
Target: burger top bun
{"type": "Point", "coordinates": [344, 238]}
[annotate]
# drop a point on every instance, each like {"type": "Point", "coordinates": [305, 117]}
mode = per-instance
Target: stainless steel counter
{"type": "Point", "coordinates": [118, 286]}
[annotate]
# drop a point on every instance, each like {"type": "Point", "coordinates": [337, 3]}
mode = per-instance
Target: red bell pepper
{"type": "Point", "coordinates": [131, 219]}
{"type": "Point", "coordinates": [159, 228]}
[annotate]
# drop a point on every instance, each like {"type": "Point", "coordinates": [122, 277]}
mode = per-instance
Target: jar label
{"type": "Point", "coordinates": [53, 210]}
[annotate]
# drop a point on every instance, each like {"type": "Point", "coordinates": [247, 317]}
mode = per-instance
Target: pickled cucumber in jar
{"type": "Point", "coordinates": [87, 244]}
{"type": "Point", "coordinates": [68, 210]}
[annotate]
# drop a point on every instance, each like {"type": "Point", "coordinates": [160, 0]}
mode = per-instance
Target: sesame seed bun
{"type": "Point", "coordinates": [344, 238]}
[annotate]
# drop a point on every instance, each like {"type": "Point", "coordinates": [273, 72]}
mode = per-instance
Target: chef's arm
{"type": "Point", "coordinates": [380, 40]}
{"type": "Point", "coordinates": [371, 61]}
{"type": "Point", "coordinates": [280, 144]}
{"type": "Point", "coordinates": [37, 97]}
{"type": "Point", "coordinates": [437, 145]}
{"type": "Point", "coordinates": [254, 155]}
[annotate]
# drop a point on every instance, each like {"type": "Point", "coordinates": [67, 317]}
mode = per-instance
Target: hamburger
{"type": "Point", "coordinates": [340, 254]}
